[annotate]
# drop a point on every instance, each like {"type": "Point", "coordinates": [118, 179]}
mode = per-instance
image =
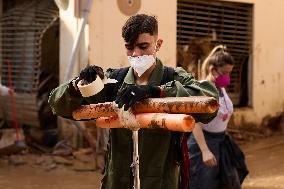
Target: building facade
{"type": "Point", "coordinates": [103, 45]}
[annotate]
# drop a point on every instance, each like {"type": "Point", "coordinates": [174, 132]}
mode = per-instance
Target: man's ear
{"type": "Point", "coordinates": [159, 44]}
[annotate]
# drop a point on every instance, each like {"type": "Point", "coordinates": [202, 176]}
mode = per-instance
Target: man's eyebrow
{"type": "Point", "coordinates": [144, 43]}
{"type": "Point", "coordinates": [128, 45]}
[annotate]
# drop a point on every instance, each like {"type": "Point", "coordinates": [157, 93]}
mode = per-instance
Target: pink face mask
{"type": "Point", "coordinates": [222, 80]}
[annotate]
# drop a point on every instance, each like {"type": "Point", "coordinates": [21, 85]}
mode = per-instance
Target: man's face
{"type": "Point", "coordinates": [146, 44]}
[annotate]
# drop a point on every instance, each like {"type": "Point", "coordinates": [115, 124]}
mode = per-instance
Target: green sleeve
{"type": "Point", "coordinates": [185, 84]}
{"type": "Point", "coordinates": [64, 99]}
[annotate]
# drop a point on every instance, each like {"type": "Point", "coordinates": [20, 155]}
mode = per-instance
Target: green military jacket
{"type": "Point", "coordinates": [157, 153]}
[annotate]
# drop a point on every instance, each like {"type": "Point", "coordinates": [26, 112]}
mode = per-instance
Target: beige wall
{"type": "Point", "coordinates": [106, 21]}
{"type": "Point", "coordinates": [106, 47]}
{"type": "Point", "coordinates": [1, 12]}
{"type": "Point", "coordinates": [268, 63]}
{"type": "Point", "coordinates": [69, 27]}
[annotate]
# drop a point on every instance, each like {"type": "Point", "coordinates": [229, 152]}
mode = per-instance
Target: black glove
{"type": "Point", "coordinates": [133, 93]}
{"type": "Point", "coordinates": [89, 74]}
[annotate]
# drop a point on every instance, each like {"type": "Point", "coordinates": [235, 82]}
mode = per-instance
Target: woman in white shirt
{"type": "Point", "coordinates": [216, 162]}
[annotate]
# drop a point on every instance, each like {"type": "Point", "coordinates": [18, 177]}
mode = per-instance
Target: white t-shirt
{"type": "Point", "coordinates": [220, 122]}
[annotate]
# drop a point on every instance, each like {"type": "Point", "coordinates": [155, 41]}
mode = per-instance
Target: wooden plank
{"type": "Point", "coordinates": [27, 14]}
{"type": "Point", "coordinates": [24, 109]}
{"type": "Point", "coordinates": [21, 105]}
{"type": "Point", "coordinates": [19, 45]}
{"type": "Point", "coordinates": [23, 114]}
{"type": "Point", "coordinates": [27, 96]}
{"type": "Point", "coordinates": [21, 65]}
{"type": "Point", "coordinates": [24, 80]}
{"type": "Point", "coordinates": [241, 50]}
{"type": "Point", "coordinates": [191, 34]}
{"type": "Point", "coordinates": [25, 89]}
{"type": "Point", "coordinates": [229, 25]}
{"type": "Point", "coordinates": [28, 81]}
{"type": "Point", "coordinates": [21, 71]}
{"type": "Point", "coordinates": [24, 118]}
{"type": "Point", "coordinates": [22, 56]}
{"type": "Point", "coordinates": [31, 28]}
{"type": "Point", "coordinates": [27, 86]}
{"type": "Point", "coordinates": [210, 25]}
{"type": "Point", "coordinates": [27, 70]}
{"type": "Point", "coordinates": [245, 45]}
{"type": "Point", "coordinates": [16, 19]}
{"type": "Point", "coordinates": [24, 50]}
{"type": "Point", "coordinates": [234, 35]}
{"type": "Point", "coordinates": [203, 31]}
{"type": "Point", "coordinates": [209, 14]}
{"type": "Point", "coordinates": [213, 23]}
{"type": "Point", "coordinates": [27, 103]}
{"type": "Point", "coordinates": [23, 24]}
{"type": "Point", "coordinates": [210, 19]}
{"type": "Point", "coordinates": [229, 17]}
{"type": "Point", "coordinates": [34, 13]}
{"type": "Point", "coordinates": [23, 39]}
{"type": "Point", "coordinates": [21, 34]}
{"type": "Point", "coordinates": [215, 6]}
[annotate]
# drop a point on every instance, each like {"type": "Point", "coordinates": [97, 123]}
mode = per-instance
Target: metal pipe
{"type": "Point", "coordinates": [135, 163]}
{"type": "Point", "coordinates": [77, 41]}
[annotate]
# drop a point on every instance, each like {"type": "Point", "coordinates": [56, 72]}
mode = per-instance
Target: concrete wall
{"type": "Point", "coordinates": [107, 49]}
{"type": "Point", "coordinates": [267, 63]}
{"type": "Point", "coordinates": [1, 12]}
{"type": "Point", "coordinates": [69, 27]}
{"type": "Point", "coordinates": [106, 21]}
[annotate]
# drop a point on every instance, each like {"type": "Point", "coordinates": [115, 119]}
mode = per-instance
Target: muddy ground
{"type": "Point", "coordinates": [265, 158]}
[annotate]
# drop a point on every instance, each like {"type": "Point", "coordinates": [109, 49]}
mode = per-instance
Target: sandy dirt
{"type": "Point", "coordinates": [265, 160]}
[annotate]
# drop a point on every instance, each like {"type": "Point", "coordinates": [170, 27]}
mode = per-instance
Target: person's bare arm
{"type": "Point", "coordinates": [207, 156]}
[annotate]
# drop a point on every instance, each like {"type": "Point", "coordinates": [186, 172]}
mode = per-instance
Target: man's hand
{"type": "Point", "coordinates": [209, 158]}
{"type": "Point", "coordinates": [90, 73]}
{"type": "Point", "coordinates": [133, 93]}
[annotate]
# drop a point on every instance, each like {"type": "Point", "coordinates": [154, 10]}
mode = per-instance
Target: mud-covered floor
{"type": "Point", "coordinates": [265, 158]}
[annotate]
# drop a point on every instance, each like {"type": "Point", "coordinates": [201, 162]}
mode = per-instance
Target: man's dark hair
{"type": "Point", "coordinates": [138, 24]}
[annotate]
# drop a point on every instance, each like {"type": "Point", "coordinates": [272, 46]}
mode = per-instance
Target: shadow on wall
{"type": "Point", "coordinates": [270, 125]}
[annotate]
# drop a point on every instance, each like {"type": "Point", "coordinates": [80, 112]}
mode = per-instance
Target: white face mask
{"type": "Point", "coordinates": [141, 64]}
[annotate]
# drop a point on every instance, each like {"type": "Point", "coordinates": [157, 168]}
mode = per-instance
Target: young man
{"type": "Point", "coordinates": [157, 147]}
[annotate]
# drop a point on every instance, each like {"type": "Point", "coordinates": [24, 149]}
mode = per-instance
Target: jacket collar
{"type": "Point", "coordinates": [155, 77]}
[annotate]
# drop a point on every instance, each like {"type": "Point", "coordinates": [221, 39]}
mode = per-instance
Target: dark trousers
{"type": "Point", "coordinates": [223, 176]}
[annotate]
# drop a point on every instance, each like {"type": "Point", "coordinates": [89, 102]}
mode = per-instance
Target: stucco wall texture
{"type": "Point", "coordinates": [105, 47]}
